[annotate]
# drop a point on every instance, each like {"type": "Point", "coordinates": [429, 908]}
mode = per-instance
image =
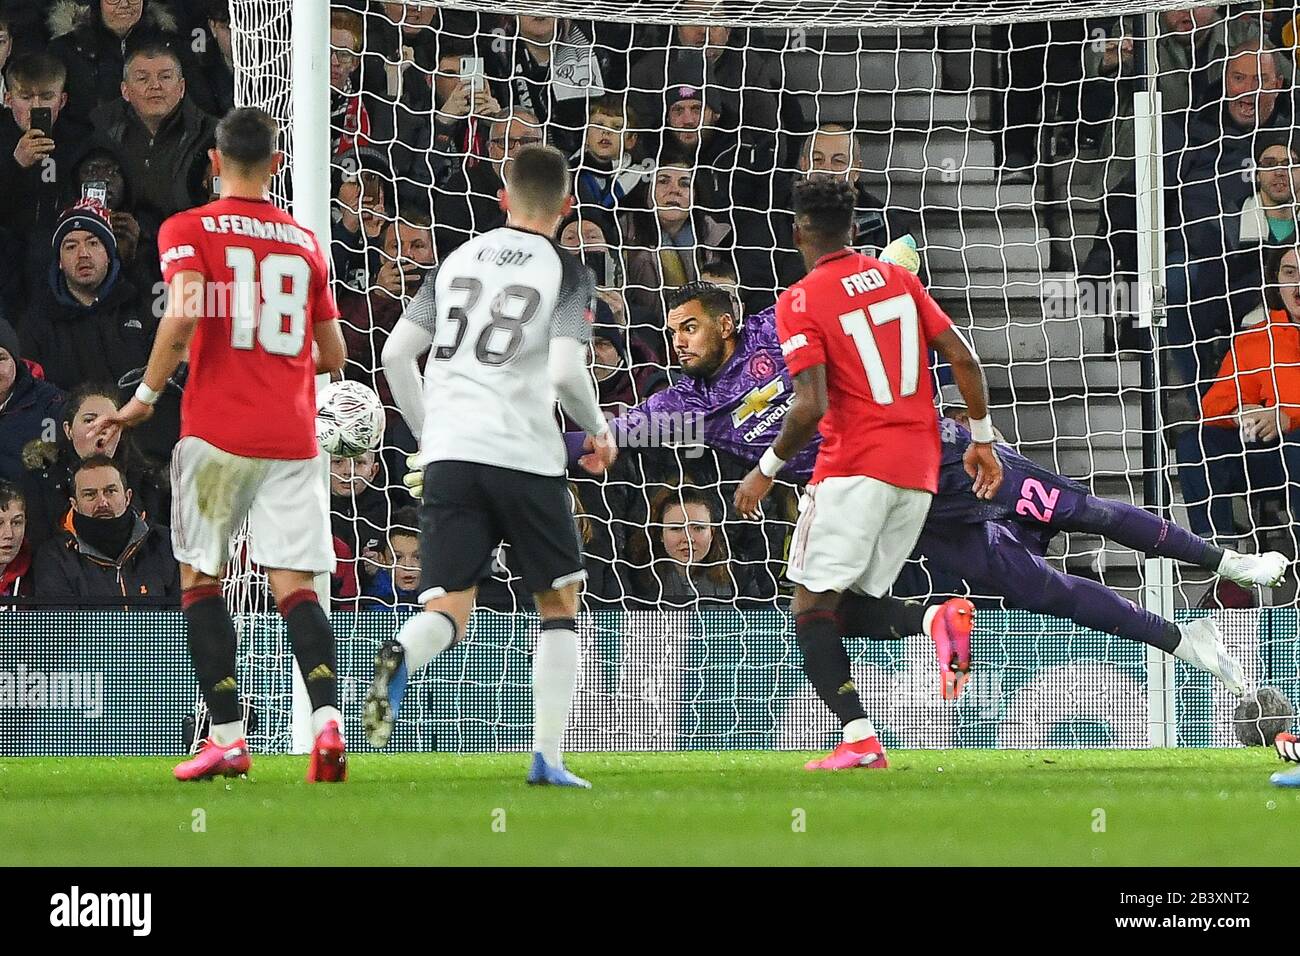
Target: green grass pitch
{"type": "Point", "coordinates": [1161, 807]}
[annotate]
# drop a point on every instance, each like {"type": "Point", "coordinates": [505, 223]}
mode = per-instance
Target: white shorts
{"type": "Point", "coordinates": [855, 534]}
{"type": "Point", "coordinates": [285, 501]}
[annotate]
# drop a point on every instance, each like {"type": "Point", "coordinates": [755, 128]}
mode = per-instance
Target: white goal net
{"type": "Point", "coordinates": [1002, 137]}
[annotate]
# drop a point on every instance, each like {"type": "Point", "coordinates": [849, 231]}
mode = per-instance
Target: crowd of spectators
{"type": "Point", "coordinates": [683, 150]}
{"type": "Point", "coordinates": [678, 144]}
{"type": "Point", "coordinates": [1226, 76]}
{"type": "Point", "coordinates": [110, 108]}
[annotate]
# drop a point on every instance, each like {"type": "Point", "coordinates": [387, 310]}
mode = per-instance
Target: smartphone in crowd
{"type": "Point", "coordinates": [471, 68]}
{"type": "Point", "coordinates": [41, 119]}
{"type": "Point", "coordinates": [96, 189]}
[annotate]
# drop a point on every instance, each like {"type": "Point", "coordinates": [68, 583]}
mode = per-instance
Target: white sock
{"type": "Point", "coordinates": [930, 613]}
{"type": "Point", "coordinates": [859, 729]}
{"type": "Point", "coordinates": [227, 734]}
{"type": "Point", "coordinates": [322, 716]}
{"type": "Point", "coordinates": [555, 674]}
{"type": "Point", "coordinates": [424, 636]}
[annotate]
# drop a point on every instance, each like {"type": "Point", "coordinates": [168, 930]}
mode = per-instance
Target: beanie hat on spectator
{"type": "Point", "coordinates": [605, 327]}
{"type": "Point", "coordinates": [365, 159]}
{"type": "Point", "coordinates": [9, 341]}
{"type": "Point", "coordinates": [709, 97]}
{"type": "Point", "coordinates": [89, 215]}
{"type": "Point", "coordinates": [680, 94]}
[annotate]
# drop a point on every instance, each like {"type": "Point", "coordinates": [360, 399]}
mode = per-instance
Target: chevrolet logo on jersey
{"type": "Point", "coordinates": [757, 401]}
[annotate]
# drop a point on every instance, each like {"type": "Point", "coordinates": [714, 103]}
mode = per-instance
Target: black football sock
{"type": "Point", "coordinates": [826, 663]}
{"type": "Point", "coordinates": [313, 646]}
{"type": "Point", "coordinates": [880, 618]}
{"type": "Point", "coordinates": [212, 639]}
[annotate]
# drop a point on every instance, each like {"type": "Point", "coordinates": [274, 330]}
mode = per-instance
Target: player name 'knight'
{"type": "Point", "coordinates": [259, 229]}
{"type": "Point", "coordinates": [859, 283]}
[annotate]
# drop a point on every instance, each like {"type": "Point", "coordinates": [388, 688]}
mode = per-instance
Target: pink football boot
{"type": "Point", "coordinates": [950, 631]}
{"type": "Point", "coordinates": [867, 754]}
{"type": "Point", "coordinates": [329, 757]}
{"type": "Point", "coordinates": [214, 760]}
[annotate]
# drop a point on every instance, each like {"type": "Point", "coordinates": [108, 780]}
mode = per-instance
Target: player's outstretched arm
{"type": "Point", "coordinates": [170, 347]}
{"type": "Point", "coordinates": [567, 365]}
{"type": "Point", "coordinates": [806, 412]}
{"type": "Point", "coordinates": [981, 460]}
{"type": "Point", "coordinates": [401, 360]}
{"type": "Point", "coordinates": [665, 407]}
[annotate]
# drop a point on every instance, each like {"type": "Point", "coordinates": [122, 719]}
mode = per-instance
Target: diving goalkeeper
{"type": "Point", "coordinates": [736, 381]}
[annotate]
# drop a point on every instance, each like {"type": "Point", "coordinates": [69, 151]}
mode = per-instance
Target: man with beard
{"type": "Point", "coordinates": [108, 550]}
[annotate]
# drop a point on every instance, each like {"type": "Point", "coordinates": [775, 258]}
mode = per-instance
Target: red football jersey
{"type": "Point", "coordinates": [870, 324]}
{"type": "Point", "coordinates": [252, 384]}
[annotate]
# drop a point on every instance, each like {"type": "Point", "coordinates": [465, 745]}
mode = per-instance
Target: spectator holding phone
{"type": "Point", "coordinates": [461, 100]}
{"type": "Point", "coordinates": [100, 175]}
{"type": "Point", "coordinates": [365, 201]}
{"type": "Point", "coordinates": [38, 142]}
{"type": "Point", "coordinates": [406, 258]}
{"type": "Point", "coordinates": [441, 121]}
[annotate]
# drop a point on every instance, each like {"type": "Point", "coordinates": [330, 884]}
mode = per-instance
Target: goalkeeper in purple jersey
{"type": "Point", "coordinates": [736, 391]}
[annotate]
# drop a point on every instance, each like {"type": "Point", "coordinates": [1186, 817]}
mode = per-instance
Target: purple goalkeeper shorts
{"type": "Point", "coordinates": [1039, 499]}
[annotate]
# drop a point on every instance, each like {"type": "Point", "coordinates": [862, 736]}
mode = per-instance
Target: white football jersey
{"type": "Point", "coordinates": [493, 306]}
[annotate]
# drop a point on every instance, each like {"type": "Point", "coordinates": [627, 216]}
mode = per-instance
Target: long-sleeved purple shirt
{"type": "Point", "coordinates": [738, 411]}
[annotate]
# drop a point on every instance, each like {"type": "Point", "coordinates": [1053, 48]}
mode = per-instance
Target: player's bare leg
{"type": "Point", "coordinates": [826, 663]}
{"type": "Point", "coordinates": [317, 655]}
{"type": "Point", "coordinates": [212, 641]}
{"type": "Point", "coordinates": [555, 675]}
{"type": "Point", "coordinates": [422, 638]}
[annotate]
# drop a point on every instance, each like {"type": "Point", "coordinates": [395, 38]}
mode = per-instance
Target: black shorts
{"type": "Point", "coordinates": [470, 508]}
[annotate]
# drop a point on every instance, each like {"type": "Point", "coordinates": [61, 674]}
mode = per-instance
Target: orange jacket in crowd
{"type": "Point", "coordinates": [1261, 368]}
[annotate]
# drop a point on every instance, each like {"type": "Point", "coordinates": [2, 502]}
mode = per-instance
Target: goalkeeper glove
{"type": "Point", "coordinates": [414, 479]}
{"type": "Point", "coordinates": [902, 252]}
{"type": "Point", "coordinates": [1288, 747]}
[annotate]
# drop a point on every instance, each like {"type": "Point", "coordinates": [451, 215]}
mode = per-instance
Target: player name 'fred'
{"type": "Point", "coordinates": [862, 282]}
{"type": "Point", "coordinates": [259, 229]}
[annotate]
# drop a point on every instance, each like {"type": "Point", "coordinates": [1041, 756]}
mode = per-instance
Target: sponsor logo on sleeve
{"type": "Point", "coordinates": [176, 254]}
{"type": "Point", "coordinates": [793, 343]}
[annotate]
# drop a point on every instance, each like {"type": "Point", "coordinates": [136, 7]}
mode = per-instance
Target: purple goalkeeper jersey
{"type": "Point", "coordinates": [738, 411]}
